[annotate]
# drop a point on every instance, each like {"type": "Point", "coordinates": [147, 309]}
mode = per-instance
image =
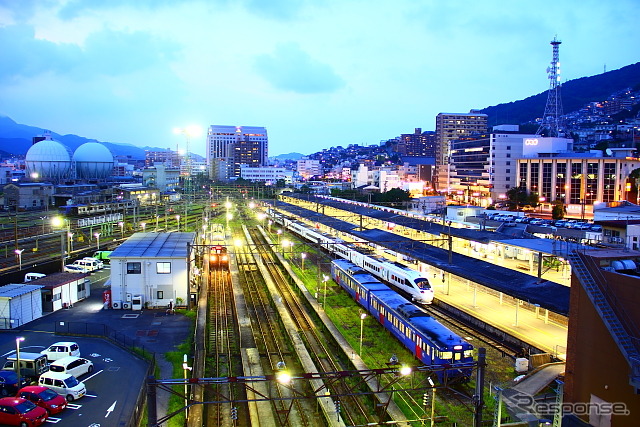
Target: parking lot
{"type": "Point", "coordinates": [118, 375]}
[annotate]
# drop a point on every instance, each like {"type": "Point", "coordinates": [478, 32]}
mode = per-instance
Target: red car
{"type": "Point", "coordinates": [44, 397]}
{"type": "Point", "coordinates": [16, 411]}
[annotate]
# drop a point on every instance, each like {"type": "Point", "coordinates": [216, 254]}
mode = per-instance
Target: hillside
{"type": "Point", "coordinates": [575, 94]}
{"type": "Point", "coordinates": [15, 139]}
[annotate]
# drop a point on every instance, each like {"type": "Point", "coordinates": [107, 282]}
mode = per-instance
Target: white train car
{"type": "Point", "coordinates": [406, 279]}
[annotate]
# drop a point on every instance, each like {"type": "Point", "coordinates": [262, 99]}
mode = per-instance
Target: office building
{"type": "Point", "coordinates": [450, 126]}
{"type": "Point", "coordinates": [228, 147]}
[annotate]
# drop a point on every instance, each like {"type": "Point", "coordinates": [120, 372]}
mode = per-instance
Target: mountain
{"type": "Point", "coordinates": [575, 94]}
{"type": "Point", "coordinates": [15, 139]}
{"type": "Point", "coordinates": [289, 156]}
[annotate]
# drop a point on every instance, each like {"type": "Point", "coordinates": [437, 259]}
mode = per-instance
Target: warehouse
{"type": "Point", "coordinates": [19, 304]}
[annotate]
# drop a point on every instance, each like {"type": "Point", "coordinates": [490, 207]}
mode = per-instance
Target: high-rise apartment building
{"type": "Point", "coordinates": [228, 147]}
{"type": "Point", "coordinates": [418, 144]}
{"type": "Point", "coordinates": [450, 126]}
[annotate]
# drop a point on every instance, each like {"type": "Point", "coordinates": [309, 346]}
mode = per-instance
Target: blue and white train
{"type": "Point", "coordinates": [431, 342]}
{"type": "Point", "coordinates": [412, 282]}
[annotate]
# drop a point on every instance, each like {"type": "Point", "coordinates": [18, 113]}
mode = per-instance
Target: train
{"type": "Point", "coordinates": [399, 276]}
{"type": "Point", "coordinates": [96, 208]}
{"type": "Point", "coordinates": [430, 341]}
{"type": "Point", "coordinates": [218, 257]}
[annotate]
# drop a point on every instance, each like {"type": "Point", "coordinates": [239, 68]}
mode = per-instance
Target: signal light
{"type": "Point", "coordinates": [234, 413]}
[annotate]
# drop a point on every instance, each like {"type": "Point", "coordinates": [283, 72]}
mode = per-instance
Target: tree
{"type": "Point", "coordinates": [558, 210]}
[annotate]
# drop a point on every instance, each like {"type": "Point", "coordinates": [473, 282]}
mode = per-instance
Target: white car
{"type": "Point", "coordinates": [72, 365]}
{"type": "Point", "coordinates": [98, 263]}
{"type": "Point", "coordinates": [72, 268]}
{"type": "Point", "coordinates": [61, 349]}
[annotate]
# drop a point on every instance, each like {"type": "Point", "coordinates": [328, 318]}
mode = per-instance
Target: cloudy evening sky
{"type": "Point", "coordinates": [315, 73]}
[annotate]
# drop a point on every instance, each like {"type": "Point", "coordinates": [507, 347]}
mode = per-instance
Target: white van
{"type": "Point", "coordinates": [72, 365]}
{"type": "Point", "coordinates": [88, 264]}
{"type": "Point", "coordinates": [64, 384]}
{"type": "Point", "coordinates": [33, 276]}
{"type": "Point", "coordinates": [99, 263]}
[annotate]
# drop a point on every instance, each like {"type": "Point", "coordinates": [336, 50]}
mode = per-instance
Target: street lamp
{"type": "Point", "coordinates": [541, 200]}
{"type": "Point", "coordinates": [303, 256]}
{"type": "Point", "coordinates": [362, 317]}
{"type": "Point", "coordinates": [18, 341]}
{"type": "Point", "coordinates": [19, 253]}
{"type": "Point", "coordinates": [285, 243]}
{"type": "Point", "coordinates": [143, 225]}
{"type": "Point", "coordinates": [178, 221]}
{"type": "Point", "coordinates": [43, 218]}
{"type": "Point", "coordinates": [97, 240]}
{"type": "Point", "coordinates": [121, 225]}
{"type": "Point", "coordinates": [325, 279]}
{"type": "Point", "coordinates": [185, 368]}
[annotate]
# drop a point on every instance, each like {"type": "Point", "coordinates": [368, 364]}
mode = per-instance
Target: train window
{"type": "Point", "coordinates": [457, 355]}
{"type": "Point", "coordinates": [160, 294]}
{"type": "Point", "coordinates": [468, 353]}
{"type": "Point", "coordinates": [446, 355]}
{"type": "Point", "coordinates": [163, 267]}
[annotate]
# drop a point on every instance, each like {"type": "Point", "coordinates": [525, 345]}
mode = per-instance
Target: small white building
{"type": "Point", "coordinates": [19, 304]}
{"type": "Point", "coordinates": [62, 290]}
{"type": "Point", "coordinates": [152, 270]}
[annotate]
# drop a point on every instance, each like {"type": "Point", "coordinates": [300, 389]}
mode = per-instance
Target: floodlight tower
{"type": "Point", "coordinates": [188, 132]}
{"type": "Point", "coordinates": [553, 110]}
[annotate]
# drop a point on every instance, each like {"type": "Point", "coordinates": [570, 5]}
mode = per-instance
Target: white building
{"type": "Point", "coordinates": [161, 176]}
{"type": "Point", "coordinates": [269, 175]}
{"type": "Point", "coordinates": [152, 269]}
{"type": "Point", "coordinates": [19, 304]}
{"type": "Point", "coordinates": [228, 147]}
{"type": "Point", "coordinates": [307, 168]}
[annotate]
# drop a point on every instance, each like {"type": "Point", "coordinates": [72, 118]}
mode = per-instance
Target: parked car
{"type": "Point", "coordinates": [61, 349]}
{"type": "Point", "coordinates": [16, 411]}
{"type": "Point", "coordinates": [98, 263]}
{"type": "Point", "coordinates": [44, 397]}
{"type": "Point", "coordinates": [597, 228]}
{"type": "Point", "coordinates": [72, 268]}
{"type": "Point", "coordinates": [76, 366]}
{"type": "Point", "coordinates": [32, 365]}
{"type": "Point", "coordinates": [33, 276]}
{"type": "Point", "coordinates": [89, 264]}
{"type": "Point", "coordinates": [9, 383]}
{"type": "Point", "coordinates": [63, 384]}
{"type": "Point", "coordinates": [536, 221]}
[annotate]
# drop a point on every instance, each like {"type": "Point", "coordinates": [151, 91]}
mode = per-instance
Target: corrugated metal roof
{"type": "Point", "coordinates": [16, 289]}
{"type": "Point", "coordinates": [155, 245]}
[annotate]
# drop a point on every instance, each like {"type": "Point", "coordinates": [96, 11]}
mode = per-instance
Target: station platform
{"type": "Point", "coordinates": [528, 323]}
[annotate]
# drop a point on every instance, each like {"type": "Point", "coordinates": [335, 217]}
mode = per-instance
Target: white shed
{"type": "Point", "coordinates": [19, 304]}
{"type": "Point", "coordinates": [62, 290]}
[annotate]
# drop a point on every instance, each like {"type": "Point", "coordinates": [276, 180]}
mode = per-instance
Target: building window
{"type": "Point", "coordinates": [160, 294]}
{"type": "Point", "coordinates": [163, 267]}
{"type": "Point", "coordinates": [134, 268]}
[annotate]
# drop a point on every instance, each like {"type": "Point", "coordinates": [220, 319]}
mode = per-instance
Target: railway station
{"type": "Point", "coordinates": [520, 306]}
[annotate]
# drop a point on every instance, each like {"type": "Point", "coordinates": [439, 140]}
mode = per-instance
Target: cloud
{"type": "Point", "coordinates": [289, 68]}
{"type": "Point", "coordinates": [104, 53]}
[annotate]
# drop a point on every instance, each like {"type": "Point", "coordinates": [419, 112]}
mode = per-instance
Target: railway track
{"type": "Point", "coordinates": [223, 350]}
{"type": "Point", "coordinates": [271, 341]}
{"type": "Point", "coordinates": [320, 347]}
